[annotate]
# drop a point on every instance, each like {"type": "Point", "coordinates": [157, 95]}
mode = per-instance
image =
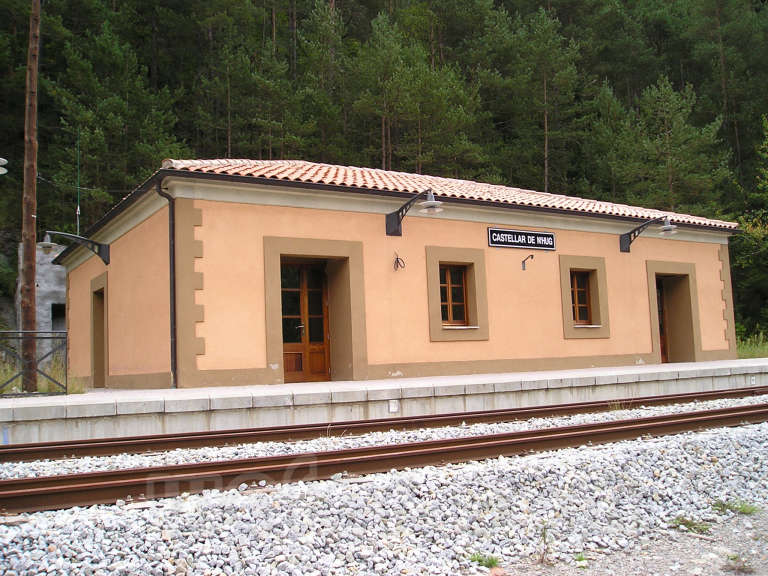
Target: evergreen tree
{"type": "Point", "coordinates": [612, 157]}
{"type": "Point", "coordinates": [749, 253]}
{"type": "Point", "coordinates": [683, 164]}
{"type": "Point", "coordinates": [123, 126]}
{"type": "Point", "coordinates": [528, 79]}
{"type": "Point", "coordinates": [382, 73]}
{"type": "Point", "coordinates": [322, 95]}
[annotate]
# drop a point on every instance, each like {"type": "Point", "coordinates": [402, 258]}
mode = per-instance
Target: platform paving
{"type": "Point", "coordinates": [109, 412]}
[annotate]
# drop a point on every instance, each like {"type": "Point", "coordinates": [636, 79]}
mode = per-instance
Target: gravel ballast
{"type": "Point", "coordinates": [616, 497]}
{"type": "Point", "coordinates": [261, 449]}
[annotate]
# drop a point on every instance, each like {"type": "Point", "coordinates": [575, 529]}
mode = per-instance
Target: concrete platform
{"type": "Point", "coordinates": [105, 413]}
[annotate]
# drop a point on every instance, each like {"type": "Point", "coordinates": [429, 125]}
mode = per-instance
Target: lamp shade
{"type": "Point", "coordinates": [430, 205]}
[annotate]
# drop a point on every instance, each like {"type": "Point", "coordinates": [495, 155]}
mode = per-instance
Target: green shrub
{"type": "Point", "coordinates": [753, 346]}
{"type": "Point", "coordinates": [483, 560]}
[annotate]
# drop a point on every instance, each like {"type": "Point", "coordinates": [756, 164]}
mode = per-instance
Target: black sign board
{"type": "Point", "coordinates": [501, 238]}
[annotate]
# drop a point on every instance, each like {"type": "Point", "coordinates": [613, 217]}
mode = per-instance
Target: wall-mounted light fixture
{"type": "Point", "coordinates": [667, 229]}
{"type": "Point", "coordinates": [46, 244]}
{"type": "Point", "coordinates": [101, 250]}
{"type": "Point", "coordinates": [394, 219]}
{"type": "Point", "coordinates": [529, 257]}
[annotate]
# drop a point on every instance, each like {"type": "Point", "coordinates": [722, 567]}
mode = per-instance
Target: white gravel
{"type": "Point", "coordinates": [614, 497]}
{"type": "Point", "coordinates": [261, 449]}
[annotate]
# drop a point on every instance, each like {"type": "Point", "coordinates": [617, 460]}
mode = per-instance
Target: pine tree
{"type": "Point", "coordinates": [683, 163]}
{"type": "Point", "coordinates": [611, 154]}
{"type": "Point", "coordinates": [123, 126]}
{"type": "Point", "coordinates": [528, 79]}
{"type": "Point", "coordinates": [381, 78]}
{"type": "Point", "coordinates": [322, 97]}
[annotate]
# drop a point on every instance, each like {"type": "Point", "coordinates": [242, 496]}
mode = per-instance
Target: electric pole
{"type": "Point", "coordinates": [29, 210]}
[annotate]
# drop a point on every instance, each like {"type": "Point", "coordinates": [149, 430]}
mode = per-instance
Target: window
{"type": "Point", "coordinates": [584, 296]}
{"type": "Point", "coordinates": [58, 317]}
{"type": "Point", "coordinates": [580, 301]}
{"type": "Point", "coordinates": [453, 294]}
{"type": "Point", "coordinates": [456, 294]}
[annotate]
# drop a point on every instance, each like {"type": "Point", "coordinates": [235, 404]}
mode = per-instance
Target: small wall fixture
{"type": "Point", "coordinates": [399, 262]}
{"type": "Point", "coordinates": [667, 229]}
{"type": "Point", "coordinates": [394, 219]}
{"type": "Point", "coordinates": [46, 244]}
{"type": "Point", "coordinates": [101, 250]}
{"type": "Point", "coordinates": [529, 257]}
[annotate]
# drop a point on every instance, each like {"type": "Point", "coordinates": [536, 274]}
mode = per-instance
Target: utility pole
{"type": "Point", "coordinates": [77, 212]}
{"type": "Point", "coordinates": [29, 209]}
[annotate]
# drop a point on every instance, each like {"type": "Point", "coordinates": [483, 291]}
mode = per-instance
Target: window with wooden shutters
{"type": "Point", "coordinates": [580, 297]}
{"type": "Point", "coordinates": [453, 294]}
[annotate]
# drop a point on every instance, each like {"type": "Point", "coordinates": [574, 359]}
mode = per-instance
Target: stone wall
{"type": "Point", "coordinates": [51, 288]}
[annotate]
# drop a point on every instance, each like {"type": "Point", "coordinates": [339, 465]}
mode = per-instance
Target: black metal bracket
{"type": "Point", "coordinates": [625, 240]}
{"type": "Point", "coordinates": [101, 250]}
{"type": "Point", "coordinates": [529, 257]}
{"type": "Point", "coordinates": [395, 219]}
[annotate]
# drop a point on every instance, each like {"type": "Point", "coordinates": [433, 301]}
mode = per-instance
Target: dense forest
{"type": "Point", "coordinates": [661, 103]}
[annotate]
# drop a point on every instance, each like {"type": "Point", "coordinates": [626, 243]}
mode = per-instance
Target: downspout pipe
{"type": "Point", "coordinates": [171, 273]}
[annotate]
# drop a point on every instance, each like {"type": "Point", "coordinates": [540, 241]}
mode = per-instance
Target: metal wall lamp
{"type": "Point", "coordinates": [101, 250]}
{"type": "Point", "coordinates": [429, 206]}
{"type": "Point", "coordinates": [667, 228]}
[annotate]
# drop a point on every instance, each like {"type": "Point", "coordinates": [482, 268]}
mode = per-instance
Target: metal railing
{"type": "Point", "coordinates": [46, 371]}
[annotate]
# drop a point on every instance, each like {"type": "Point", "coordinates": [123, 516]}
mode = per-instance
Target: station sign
{"type": "Point", "coordinates": [503, 238]}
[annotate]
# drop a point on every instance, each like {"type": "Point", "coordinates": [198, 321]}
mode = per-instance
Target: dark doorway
{"type": "Point", "coordinates": [304, 296]}
{"type": "Point", "coordinates": [676, 337]}
{"type": "Point", "coordinates": [662, 320]}
{"type": "Point", "coordinates": [99, 344]}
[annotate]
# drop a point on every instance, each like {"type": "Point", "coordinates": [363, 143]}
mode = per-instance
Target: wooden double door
{"type": "Point", "coordinates": [306, 350]}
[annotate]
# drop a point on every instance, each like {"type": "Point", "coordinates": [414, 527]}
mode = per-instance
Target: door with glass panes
{"type": "Point", "coordinates": [306, 351]}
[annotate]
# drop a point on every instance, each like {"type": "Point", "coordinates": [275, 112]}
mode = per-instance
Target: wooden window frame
{"type": "Point", "coordinates": [475, 297]}
{"type": "Point", "coordinates": [597, 297]}
{"type": "Point", "coordinates": [575, 306]}
{"type": "Point", "coordinates": [448, 302]}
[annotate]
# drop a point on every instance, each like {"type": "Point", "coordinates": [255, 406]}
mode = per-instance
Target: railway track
{"type": "Point", "coordinates": [153, 443]}
{"type": "Point", "coordinates": [33, 494]}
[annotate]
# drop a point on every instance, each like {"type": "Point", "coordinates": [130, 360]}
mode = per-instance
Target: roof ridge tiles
{"type": "Point", "coordinates": [396, 181]}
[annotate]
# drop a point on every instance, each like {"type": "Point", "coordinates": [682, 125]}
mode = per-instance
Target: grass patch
{"type": "Point", "coordinates": [754, 346]}
{"type": "Point", "coordinates": [737, 564]}
{"type": "Point", "coordinates": [735, 506]}
{"type": "Point", "coordinates": [484, 560]}
{"type": "Point", "coordinates": [690, 525]}
{"type": "Point", "coordinates": [53, 367]}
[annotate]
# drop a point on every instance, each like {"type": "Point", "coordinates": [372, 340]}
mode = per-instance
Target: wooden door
{"type": "Point", "coordinates": [306, 351]}
{"type": "Point", "coordinates": [662, 320]}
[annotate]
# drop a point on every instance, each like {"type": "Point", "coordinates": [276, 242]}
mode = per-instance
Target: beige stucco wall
{"type": "Point", "coordinates": [525, 315]}
{"type": "Point", "coordinates": [79, 316]}
{"type": "Point", "coordinates": [137, 302]}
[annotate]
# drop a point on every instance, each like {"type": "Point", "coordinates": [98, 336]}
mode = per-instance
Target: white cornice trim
{"type": "Point", "coordinates": [295, 197]}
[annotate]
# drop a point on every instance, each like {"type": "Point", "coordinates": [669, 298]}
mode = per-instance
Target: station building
{"type": "Point", "coordinates": [226, 272]}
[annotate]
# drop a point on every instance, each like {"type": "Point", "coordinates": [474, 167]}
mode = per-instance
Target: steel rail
{"type": "Point", "coordinates": [160, 442]}
{"type": "Point", "coordinates": [33, 494]}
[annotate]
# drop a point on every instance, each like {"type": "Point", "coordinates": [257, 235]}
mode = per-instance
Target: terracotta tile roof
{"type": "Point", "coordinates": [386, 180]}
